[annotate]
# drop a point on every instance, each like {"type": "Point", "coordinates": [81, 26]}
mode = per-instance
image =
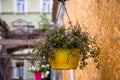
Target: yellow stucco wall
{"type": "Point", "coordinates": [101, 18]}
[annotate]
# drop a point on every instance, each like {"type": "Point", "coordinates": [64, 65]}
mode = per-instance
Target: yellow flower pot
{"type": "Point", "coordinates": [65, 59]}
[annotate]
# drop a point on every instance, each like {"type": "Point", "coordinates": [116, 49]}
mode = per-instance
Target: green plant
{"type": "Point", "coordinates": [45, 22]}
{"type": "Point", "coordinates": [70, 38]}
{"type": "Point", "coordinates": [38, 61]}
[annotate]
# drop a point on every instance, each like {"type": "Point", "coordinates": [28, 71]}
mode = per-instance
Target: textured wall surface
{"type": "Point", "coordinates": [101, 18]}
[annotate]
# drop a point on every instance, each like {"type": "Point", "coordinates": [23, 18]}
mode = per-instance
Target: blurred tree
{"type": "Point", "coordinates": [45, 22]}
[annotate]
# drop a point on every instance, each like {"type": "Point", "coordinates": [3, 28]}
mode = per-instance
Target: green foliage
{"type": "Point", "coordinates": [38, 60]}
{"type": "Point", "coordinates": [69, 38]}
{"type": "Point", "coordinates": [45, 22]}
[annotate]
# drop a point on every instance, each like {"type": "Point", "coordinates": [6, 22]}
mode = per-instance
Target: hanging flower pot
{"type": "Point", "coordinates": [37, 75]}
{"type": "Point", "coordinates": [65, 59]}
{"type": "Point", "coordinates": [64, 48]}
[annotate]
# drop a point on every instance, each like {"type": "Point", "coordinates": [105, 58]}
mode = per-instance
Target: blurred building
{"type": "Point", "coordinates": [18, 14]}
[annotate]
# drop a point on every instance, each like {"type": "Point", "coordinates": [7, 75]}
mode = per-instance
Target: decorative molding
{"type": "Point", "coordinates": [19, 23]}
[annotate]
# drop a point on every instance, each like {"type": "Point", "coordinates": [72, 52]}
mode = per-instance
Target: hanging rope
{"type": "Point", "coordinates": [66, 12]}
{"type": "Point", "coordinates": [59, 12]}
{"type": "Point", "coordinates": [64, 7]}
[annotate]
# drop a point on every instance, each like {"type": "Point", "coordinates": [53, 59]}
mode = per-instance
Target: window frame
{"type": "Point", "coordinates": [49, 5]}
{"type": "Point", "coordinates": [16, 6]}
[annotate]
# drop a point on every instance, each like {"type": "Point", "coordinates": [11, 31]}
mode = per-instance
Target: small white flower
{"type": "Point", "coordinates": [47, 72]}
{"type": "Point", "coordinates": [42, 66]}
{"type": "Point", "coordinates": [48, 65]}
{"type": "Point", "coordinates": [33, 68]}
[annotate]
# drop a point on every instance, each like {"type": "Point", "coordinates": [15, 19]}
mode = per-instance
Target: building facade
{"type": "Point", "coordinates": [18, 14]}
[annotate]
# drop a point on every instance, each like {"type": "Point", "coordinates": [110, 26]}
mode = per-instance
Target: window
{"type": "Point", "coordinates": [18, 70]}
{"type": "Point", "coordinates": [20, 6]}
{"type": "Point", "coordinates": [0, 6]}
{"type": "Point", "coordinates": [47, 6]}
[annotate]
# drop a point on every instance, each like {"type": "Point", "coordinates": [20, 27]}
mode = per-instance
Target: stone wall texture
{"type": "Point", "coordinates": [101, 18]}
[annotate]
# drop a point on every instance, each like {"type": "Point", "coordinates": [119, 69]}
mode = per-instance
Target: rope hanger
{"type": "Point", "coordinates": [64, 7]}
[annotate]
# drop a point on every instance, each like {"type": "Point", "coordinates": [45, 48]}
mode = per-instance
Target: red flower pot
{"type": "Point", "coordinates": [38, 76]}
